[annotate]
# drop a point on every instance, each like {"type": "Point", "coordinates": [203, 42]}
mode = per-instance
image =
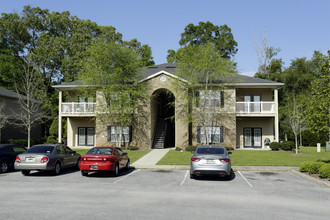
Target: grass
{"type": "Point", "coordinates": [255, 157]}
{"type": "Point", "coordinates": [133, 155]}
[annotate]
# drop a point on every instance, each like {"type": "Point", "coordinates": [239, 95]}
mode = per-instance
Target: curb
{"type": "Point", "coordinates": [312, 179]}
{"type": "Point", "coordinates": [235, 168]}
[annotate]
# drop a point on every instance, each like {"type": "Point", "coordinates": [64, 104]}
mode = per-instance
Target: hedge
{"type": "Point", "coordinates": [275, 146]}
{"type": "Point", "coordinates": [287, 145]}
{"type": "Point", "coordinates": [312, 167]}
{"type": "Point", "coordinates": [324, 170]}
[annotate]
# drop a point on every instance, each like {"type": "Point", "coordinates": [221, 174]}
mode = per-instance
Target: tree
{"type": "Point", "coordinates": [3, 119]}
{"type": "Point", "coordinates": [30, 108]}
{"type": "Point", "coordinates": [297, 121]}
{"type": "Point", "coordinates": [112, 72]}
{"type": "Point", "coordinates": [204, 33]}
{"type": "Point", "coordinates": [205, 69]}
{"type": "Point", "coordinates": [319, 107]}
{"type": "Point", "coordinates": [57, 42]}
{"type": "Point", "coordinates": [265, 55]}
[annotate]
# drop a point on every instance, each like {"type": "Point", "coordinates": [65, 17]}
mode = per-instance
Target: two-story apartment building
{"type": "Point", "coordinates": [248, 106]}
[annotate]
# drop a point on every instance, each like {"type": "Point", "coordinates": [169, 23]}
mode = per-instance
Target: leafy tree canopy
{"type": "Point", "coordinates": [206, 32]}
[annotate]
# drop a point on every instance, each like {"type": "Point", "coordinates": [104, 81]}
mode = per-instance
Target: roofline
{"type": "Point", "coordinates": [260, 85]}
{"type": "Point", "coordinates": [163, 72]}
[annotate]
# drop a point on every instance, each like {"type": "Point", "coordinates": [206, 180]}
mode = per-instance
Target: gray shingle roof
{"type": "Point", "coordinates": [8, 93]}
{"type": "Point", "coordinates": [13, 95]}
{"type": "Point", "coordinates": [238, 80]}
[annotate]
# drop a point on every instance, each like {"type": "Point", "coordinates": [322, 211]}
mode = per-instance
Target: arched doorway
{"type": "Point", "coordinates": [163, 119]}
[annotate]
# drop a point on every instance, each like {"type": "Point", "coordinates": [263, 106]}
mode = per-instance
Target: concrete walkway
{"type": "Point", "coordinates": [149, 160]}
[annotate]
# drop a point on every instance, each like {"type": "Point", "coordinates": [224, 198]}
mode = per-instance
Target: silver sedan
{"type": "Point", "coordinates": [210, 160]}
{"type": "Point", "coordinates": [52, 157]}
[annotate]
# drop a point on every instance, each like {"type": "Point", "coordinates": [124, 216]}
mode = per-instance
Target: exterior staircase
{"type": "Point", "coordinates": [160, 134]}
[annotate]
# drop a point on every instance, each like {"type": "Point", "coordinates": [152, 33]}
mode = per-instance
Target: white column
{"type": "Point", "coordinates": [60, 117]}
{"type": "Point", "coordinates": [276, 115]}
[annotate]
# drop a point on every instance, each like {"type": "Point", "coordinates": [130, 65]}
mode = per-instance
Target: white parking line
{"type": "Point", "coordinates": [245, 179]}
{"type": "Point", "coordinates": [185, 177]}
{"type": "Point", "coordinates": [135, 171]}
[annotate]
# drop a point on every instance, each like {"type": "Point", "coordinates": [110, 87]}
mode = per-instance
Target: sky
{"type": "Point", "coordinates": [297, 27]}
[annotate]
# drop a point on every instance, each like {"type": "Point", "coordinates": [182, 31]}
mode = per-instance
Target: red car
{"type": "Point", "coordinates": [104, 159]}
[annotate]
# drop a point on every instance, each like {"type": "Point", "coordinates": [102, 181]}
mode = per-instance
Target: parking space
{"type": "Point", "coordinates": [158, 194]}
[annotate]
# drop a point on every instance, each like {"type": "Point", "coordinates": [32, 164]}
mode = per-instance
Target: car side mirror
{"type": "Point", "coordinates": [124, 154]}
{"type": "Point", "coordinates": [230, 152]}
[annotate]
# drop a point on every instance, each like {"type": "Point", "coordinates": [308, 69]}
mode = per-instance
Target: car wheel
{"type": "Point", "coordinates": [78, 164]}
{"type": "Point", "coordinates": [4, 167]}
{"type": "Point", "coordinates": [84, 173]}
{"type": "Point", "coordinates": [116, 170]}
{"type": "Point", "coordinates": [228, 177]}
{"type": "Point", "coordinates": [57, 169]}
{"type": "Point", "coordinates": [127, 165]}
{"type": "Point", "coordinates": [25, 172]}
{"type": "Point", "coordinates": [192, 176]}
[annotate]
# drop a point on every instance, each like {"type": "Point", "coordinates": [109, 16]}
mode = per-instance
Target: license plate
{"type": "Point", "coordinates": [210, 162]}
{"type": "Point", "coordinates": [30, 159]}
{"type": "Point", "coordinates": [94, 167]}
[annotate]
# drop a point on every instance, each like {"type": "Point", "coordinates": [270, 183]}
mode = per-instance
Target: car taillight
{"type": "Point", "coordinates": [194, 159]}
{"type": "Point", "coordinates": [224, 160]}
{"type": "Point", "coordinates": [18, 160]}
{"type": "Point", "coordinates": [44, 160]}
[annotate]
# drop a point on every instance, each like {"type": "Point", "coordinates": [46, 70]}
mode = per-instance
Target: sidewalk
{"type": "Point", "coordinates": [149, 160]}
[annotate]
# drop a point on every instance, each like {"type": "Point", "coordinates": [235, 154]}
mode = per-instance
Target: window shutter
{"type": "Point", "coordinates": [221, 134]}
{"type": "Point", "coordinates": [198, 134]}
{"type": "Point", "coordinates": [109, 133]}
{"type": "Point", "coordinates": [130, 134]}
{"type": "Point", "coordinates": [197, 98]}
{"type": "Point", "coordinates": [222, 99]}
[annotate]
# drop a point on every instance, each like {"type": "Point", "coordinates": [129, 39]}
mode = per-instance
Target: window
{"type": "Point", "coordinates": [19, 149]}
{"type": "Point", "coordinates": [60, 150]}
{"type": "Point", "coordinates": [114, 133]}
{"type": "Point", "coordinates": [86, 136]}
{"type": "Point", "coordinates": [211, 98]}
{"type": "Point", "coordinates": [215, 134]}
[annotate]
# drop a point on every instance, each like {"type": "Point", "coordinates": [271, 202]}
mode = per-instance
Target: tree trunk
{"type": "Point", "coordinates": [296, 139]}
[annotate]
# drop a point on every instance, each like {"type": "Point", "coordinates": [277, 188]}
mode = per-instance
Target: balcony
{"type": "Point", "coordinates": [78, 107]}
{"type": "Point", "coordinates": [255, 107]}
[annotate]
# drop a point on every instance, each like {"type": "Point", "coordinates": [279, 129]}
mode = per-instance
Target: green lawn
{"type": "Point", "coordinates": [133, 155]}
{"type": "Point", "coordinates": [255, 157]}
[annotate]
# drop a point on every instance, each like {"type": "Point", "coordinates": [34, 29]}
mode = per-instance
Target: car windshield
{"type": "Point", "coordinates": [40, 149]}
{"type": "Point", "coordinates": [210, 151]}
{"type": "Point", "coordinates": [107, 151]}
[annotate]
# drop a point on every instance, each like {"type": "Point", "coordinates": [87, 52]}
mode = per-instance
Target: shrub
{"type": "Point", "coordinates": [324, 171]}
{"type": "Point", "coordinates": [275, 146]}
{"type": "Point", "coordinates": [178, 149]}
{"type": "Point", "coordinates": [51, 140]}
{"type": "Point", "coordinates": [191, 148]}
{"type": "Point", "coordinates": [22, 142]}
{"type": "Point", "coordinates": [287, 145]}
{"type": "Point", "coordinates": [312, 167]}
{"type": "Point", "coordinates": [132, 147]}
{"type": "Point", "coordinates": [229, 148]}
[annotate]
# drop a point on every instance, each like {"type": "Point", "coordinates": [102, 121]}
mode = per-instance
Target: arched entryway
{"type": "Point", "coordinates": [163, 119]}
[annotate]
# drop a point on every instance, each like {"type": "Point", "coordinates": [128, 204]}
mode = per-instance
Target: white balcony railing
{"type": "Point", "coordinates": [255, 107]}
{"type": "Point", "coordinates": [78, 107]}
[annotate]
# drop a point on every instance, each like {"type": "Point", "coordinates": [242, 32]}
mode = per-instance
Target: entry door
{"type": "Point", "coordinates": [253, 107]}
{"type": "Point", "coordinates": [86, 136]}
{"type": "Point", "coordinates": [252, 137]}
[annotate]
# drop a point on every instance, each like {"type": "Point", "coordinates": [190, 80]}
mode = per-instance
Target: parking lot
{"type": "Point", "coordinates": [157, 194]}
